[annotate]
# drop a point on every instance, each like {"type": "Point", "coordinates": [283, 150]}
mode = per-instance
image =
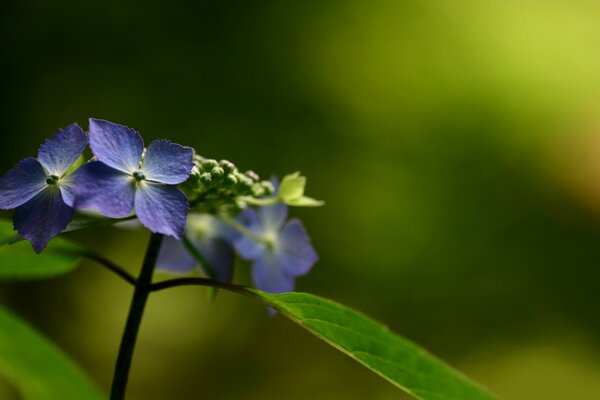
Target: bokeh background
{"type": "Point", "coordinates": [457, 144]}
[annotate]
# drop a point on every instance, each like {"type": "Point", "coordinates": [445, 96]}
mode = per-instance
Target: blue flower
{"type": "Point", "coordinates": [211, 237]}
{"type": "Point", "coordinates": [41, 190]}
{"type": "Point", "coordinates": [280, 251]}
{"type": "Point", "coordinates": [126, 178]}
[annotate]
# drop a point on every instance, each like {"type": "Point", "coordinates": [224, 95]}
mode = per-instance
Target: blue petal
{"type": "Point", "coordinates": [21, 183]}
{"type": "Point", "coordinates": [161, 208]}
{"type": "Point", "coordinates": [208, 226]}
{"type": "Point", "coordinates": [246, 247]}
{"type": "Point", "coordinates": [174, 257]}
{"type": "Point", "coordinates": [269, 276]}
{"type": "Point", "coordinates": [271, 218]}
{"type": "Point", "coordinates": [116, 145]}
{"type": "Point", "coordinates": [293, 249]}
{"type": "Point", "coordinates": [43, 217]}
{"type": "Point", "coordinates": [167, 162]}
{"type": "Point", "coordinates": [105, 189]}
{"type": "Point", "coordinates": [67, 188]}
{"type": "Point", "coordinates": [59, 152]}
{"type": "Point", "coordinates": [220, 255]}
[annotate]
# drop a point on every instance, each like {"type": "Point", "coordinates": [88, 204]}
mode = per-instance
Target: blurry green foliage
{"type": "Point", "coordinates": [430, 128]}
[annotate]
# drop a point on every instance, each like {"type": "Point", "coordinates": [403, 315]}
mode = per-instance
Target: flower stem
{"type": "Point", "coordinates": [134, 319]}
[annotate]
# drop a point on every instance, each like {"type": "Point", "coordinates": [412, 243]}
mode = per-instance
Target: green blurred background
{"type": "Point", "coordinates": [457, 144]}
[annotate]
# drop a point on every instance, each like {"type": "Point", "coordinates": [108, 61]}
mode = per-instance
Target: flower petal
{"type": "Point", "coordinates": [270, 277]}
{"type": "Point", "coordinates": [246, 247]}
{"type": "Point", "coordinates": [22, 183]}
{"type": "Point", "coordinates": [61, 150]}
{"type": "Point", "coordinates": [116, 145]}
{"type": "Point", "coordinates": [67, 188]}
{"type": "Point", "coordinates": [43, 217]}
{"type": "Point", "coordinates": [174, 257]}
{"type": "Point", "coordinates": [105, 189]}
{"type": "Point", "coordinates": [293, 249]}
{"type": "Point", "coordinates": [206, 226]}
{"type": "Point", "coordinates": [220, 255]}
{"type": "Point", "coordinates": [271, 218]}
{"type": "Point", "coordinates": [167, 162]}
{"type": "Point", "coordinates": [161, 208]}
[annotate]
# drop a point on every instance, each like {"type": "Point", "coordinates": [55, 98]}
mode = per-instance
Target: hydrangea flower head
{"type": "Point", "coordinates": [280, 251]}
{"type": "Point", "coordinates": [212, 238]}
{"type": "Point", "coordinates": [41, 190]}
{"type": "Point", "coordinates": [127, 177]}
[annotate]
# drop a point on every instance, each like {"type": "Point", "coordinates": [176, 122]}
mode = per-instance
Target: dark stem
{"type": "Point", "coordinates": [143, 287]}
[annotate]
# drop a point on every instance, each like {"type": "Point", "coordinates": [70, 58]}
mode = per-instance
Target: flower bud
{"type": "Point", "coordinates": [252, 175]}
{"type": "Point", "coordinates": [206, 178]}
{"type": "Point", "coordinates": [231, 180]}
{"type": "Point", "coordinates": [268, 187]}
{"type": "Point", "coordinates": [258, 190]}
{"type": "Point", "coordinates": [244, 181]}
{"type": "Point", "coordinates": [208, 165]}
{"type": "Point", "coordinates": [227, 166]}
{"type": "Point", "coordinates": [217, 172]}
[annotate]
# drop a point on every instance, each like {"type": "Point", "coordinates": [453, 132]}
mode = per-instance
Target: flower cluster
{"type": "Point", "coordinates": [160, 184]}
{"type": "Point", "coordinates": [122, 176]}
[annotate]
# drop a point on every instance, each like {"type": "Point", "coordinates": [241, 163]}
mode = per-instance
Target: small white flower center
{"type": "Point", "coordinates": [270, 238]}
{"type": "Point", "coordinates": [200, 225]}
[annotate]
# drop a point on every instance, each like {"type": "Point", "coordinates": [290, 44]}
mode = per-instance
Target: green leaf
{"type": "Point", "coordinates": [36, 367]}
{"type": "Point", "coordinates": [396, 359]}
{"type": "Point", "coordinates": [19, 261]}
{"type": "Point", "coordinates": [304, 201]}
{"type": "Point", "coordinates": [292, 186]}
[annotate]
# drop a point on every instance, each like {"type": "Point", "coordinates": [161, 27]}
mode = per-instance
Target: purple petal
{"type": "Point", "coordinates": [220, 255]}
{"type": "Point", "coordinates": [269, 276]}
{"type": "Point", "coordinates": [271, 218]}
{"type": "Point", "coordinates": [167, 162]}
{"type": "Point", "coordinates": [43, 217]}
{"type": "Point", "coordinates": [174, 257]}
{"type": "Point", "coordinates": [293, 249]}
{"type": "Point", "coordinates": [246, 247]}
{"type": "Point", "coordinates": [61, 151]}
{"type": "Point", "coordinates": [161, 208]}
{"type": "Point", "coordinates": [22, 183]}
{"type": "Point", "coordinates": [105, 189]}
{"type": "Point", "coordinates": [116, 145]}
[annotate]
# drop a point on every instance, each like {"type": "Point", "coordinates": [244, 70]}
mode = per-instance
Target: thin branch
{"type": "Point", "coordinates": [232, 287]}
{"type": "Point", "coordinates": [111, 266]}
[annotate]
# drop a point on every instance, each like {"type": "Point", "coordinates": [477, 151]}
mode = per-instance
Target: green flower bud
{"type": "Point", "coordinates": [244, 181]}
{"type": "Point", "coordinates": [206, 178]}
{"type": "Point", "coordinates": [268, 188]}
{"type": "Point", "coordinates": [258, 190]}
{"type": "Point", "coordinates": [227, 166]}
{"type": "Point", "coordinates": [217, 172]}
{"type": "Point", "coordinates": [252, 175]}
{"type": "Point", "coordinates": [231, 180]}
{"type": "Point", "coordinates": [208, 165]}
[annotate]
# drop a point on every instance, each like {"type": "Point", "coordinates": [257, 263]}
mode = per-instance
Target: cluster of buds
{"type": "Point", "coordinates": [219, 187]}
